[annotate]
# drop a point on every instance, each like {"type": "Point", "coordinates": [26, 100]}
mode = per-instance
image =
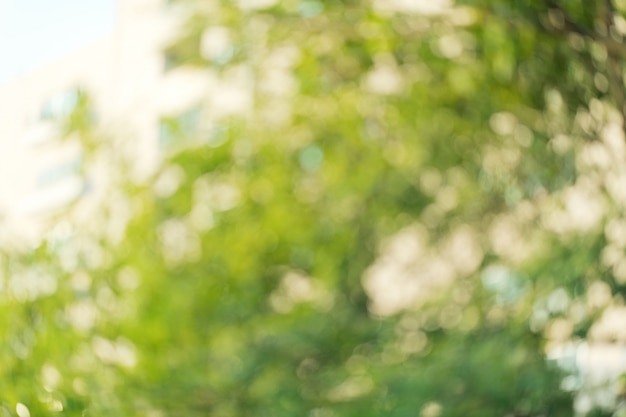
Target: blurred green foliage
{"type": "Point", "coordinates": [406, 217]}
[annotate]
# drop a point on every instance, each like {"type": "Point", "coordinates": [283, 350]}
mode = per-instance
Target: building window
{"type": "Point", "coordinates": [59, 172]}
{"type": "Point", "coordinates": [60, 105]}
{"type": "Point", "coordinates": [181, 128]}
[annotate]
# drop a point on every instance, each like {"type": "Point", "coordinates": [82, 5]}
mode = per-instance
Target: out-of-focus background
{"type": "Point", "coordinates": [312, 208]}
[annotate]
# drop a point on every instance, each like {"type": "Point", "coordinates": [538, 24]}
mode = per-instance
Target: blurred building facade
{"type": "Point", "coordinates": [126, 77]}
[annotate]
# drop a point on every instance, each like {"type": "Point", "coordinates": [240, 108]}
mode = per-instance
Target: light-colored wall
{"type": "Point", "coordinates": [123, 75]}
{"type": "Point", "coordinates": [28, 144]}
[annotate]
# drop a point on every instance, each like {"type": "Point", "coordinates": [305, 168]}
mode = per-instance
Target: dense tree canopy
{"type": "Point", "coordinates": [390, 208]}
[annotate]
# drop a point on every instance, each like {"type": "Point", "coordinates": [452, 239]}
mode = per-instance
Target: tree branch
{"type": "Point", "coordinates": [616, 51]}
{"type": "Point", "coordinates": [571, 26]}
